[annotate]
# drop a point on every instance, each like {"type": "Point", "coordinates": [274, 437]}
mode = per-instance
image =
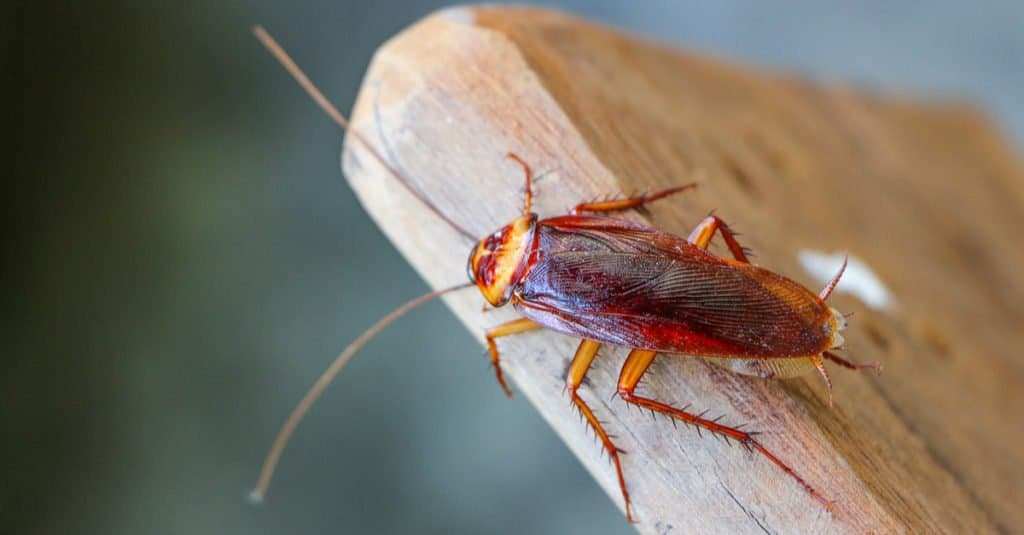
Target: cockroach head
{"type": "Point", "coordinates": [499, 260]}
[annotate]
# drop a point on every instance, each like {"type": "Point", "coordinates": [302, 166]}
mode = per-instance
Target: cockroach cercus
{"type": "Point", "coordinates": [612, 281]}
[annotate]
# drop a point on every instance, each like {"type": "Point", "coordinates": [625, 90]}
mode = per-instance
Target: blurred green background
{"type": "Point", "coordinates": [186, 258]}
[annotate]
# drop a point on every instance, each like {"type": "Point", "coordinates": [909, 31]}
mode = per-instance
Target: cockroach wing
{"type": "Point", "coordinates": [638, 287]}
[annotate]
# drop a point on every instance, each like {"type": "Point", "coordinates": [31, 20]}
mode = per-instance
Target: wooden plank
{"type": "Point", "coordinates": [928, 196]}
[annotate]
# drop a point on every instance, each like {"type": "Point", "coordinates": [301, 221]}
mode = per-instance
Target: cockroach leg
{"type": "Point", "coordinates": [518, 326]}
{"type": "Point", "coordinates": [819, 363]}
{"type": "Point", "coordinates": [702, 234]}
{"type": "Point", "coordinates": [528, 195]}
{"type": "Point", "coordinates": [625, 203]}
{"type": "Point", "coordinates": [574, 378]}
{"type": "Point", "coordinates": [877, 366]}
{"type": "Point", "coordinates": [633, 370]}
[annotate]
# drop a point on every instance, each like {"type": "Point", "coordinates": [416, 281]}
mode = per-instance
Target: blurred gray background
{"type": "Point", "coordinates": [186, 258]}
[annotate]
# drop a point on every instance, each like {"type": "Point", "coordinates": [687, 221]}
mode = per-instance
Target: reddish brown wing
{"type": "Point", "coordinates": [622, 283]}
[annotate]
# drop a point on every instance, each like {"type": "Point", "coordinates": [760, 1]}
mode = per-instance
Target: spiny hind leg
{"type": "Point", "coordinates": [877, 366]}
{"type": "Point", "coordinates": [702, 234]}
{"type": "Point", "coordinates": [518, 326]}
{"type": "Point", "coordinates": [574, 378]}
{"type": "Point", "coordinates": [633, 370]}
{"type": "Point", "coordinates": [625, 203]}
{"type": "Point", "coordinates": [819, 363]}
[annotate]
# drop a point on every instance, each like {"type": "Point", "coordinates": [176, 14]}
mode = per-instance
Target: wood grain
{"type": "Point", "coordinates": [929, 195]}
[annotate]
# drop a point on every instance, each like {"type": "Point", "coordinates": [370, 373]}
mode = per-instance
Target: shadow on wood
{"type": "Point", "coordinates": [928, 196]}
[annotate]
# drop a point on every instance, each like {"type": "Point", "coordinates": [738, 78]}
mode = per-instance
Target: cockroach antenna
{"type": "Point", "coordinates": [286, 61]}
{"type": "Point", "coordinates": [332, 371]}
{"type": "Point", "coordinates": [257, 494]}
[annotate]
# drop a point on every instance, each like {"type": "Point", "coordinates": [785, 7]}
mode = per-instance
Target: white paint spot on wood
{"type": "Point", "coordinates": [859, 279]}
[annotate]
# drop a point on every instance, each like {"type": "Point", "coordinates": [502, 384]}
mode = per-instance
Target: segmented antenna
{"type": "Point", "coordinates": [332, 371]}
{"type": "Point", "coordinates": [325, 379]}
{"type": "Point", "coordinates": [286, 61]}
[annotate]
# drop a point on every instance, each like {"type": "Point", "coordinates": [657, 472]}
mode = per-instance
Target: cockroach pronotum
{"type": "Point", "coordinates": [612, 281]}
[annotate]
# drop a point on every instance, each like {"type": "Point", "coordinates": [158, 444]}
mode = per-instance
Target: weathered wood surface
{"type": "Point", "coordinates": [929, 196]}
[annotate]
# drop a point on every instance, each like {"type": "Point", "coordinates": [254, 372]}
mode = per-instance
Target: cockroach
{"type": "Point", "coordinates": [612, 281]}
